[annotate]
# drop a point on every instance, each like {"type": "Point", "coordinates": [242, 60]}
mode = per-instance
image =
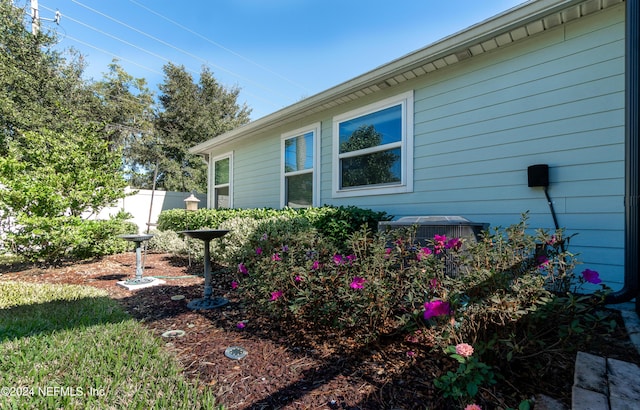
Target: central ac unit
{"type": "Point", "coordinates": [427, 227]}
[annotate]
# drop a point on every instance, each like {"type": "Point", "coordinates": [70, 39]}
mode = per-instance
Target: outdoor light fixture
{"type": "Point", "coordinates": [192, 203]}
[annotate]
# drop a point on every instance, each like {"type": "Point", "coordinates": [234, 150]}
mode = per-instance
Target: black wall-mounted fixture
{"type": "Point", "coordinates": [538, 176]}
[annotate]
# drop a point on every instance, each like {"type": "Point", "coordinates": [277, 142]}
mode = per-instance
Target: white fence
{"type": "Point", "coordinates": [145, 209]}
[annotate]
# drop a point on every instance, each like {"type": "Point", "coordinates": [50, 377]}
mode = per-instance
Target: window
{"type": "Point", "coordinates": [373, 148]}
{"type": "Point", "coordinates": [221, 189]}
{"type": "Point", "coordinates": [298, 168]}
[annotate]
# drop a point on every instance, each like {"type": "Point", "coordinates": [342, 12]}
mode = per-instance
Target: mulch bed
{"type": "Point", "coordinates": [289, 366]}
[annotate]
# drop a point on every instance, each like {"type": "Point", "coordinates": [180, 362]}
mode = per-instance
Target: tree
{"type": "Point", "coordinates": [127, 110]}
{"type": "Point", "coordinates": [38, 87]}
{"type": "Point", "coordinates": [192, 113]}
{"type": "Point", "coordinates": [55, 174]}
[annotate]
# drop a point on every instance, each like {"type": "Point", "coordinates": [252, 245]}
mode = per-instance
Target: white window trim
{"type": "Point", "coordinates": [212, 179]}
{"type": "Point", "coordinates": [315, 129]}
{"type": "Point", "coordinates": [405, 144]}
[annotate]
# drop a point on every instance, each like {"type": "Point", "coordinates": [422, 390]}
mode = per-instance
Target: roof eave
{"type": "Point", "coordinates": [507, 21]}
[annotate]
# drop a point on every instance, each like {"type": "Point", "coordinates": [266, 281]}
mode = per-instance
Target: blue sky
{"type": "Point", "coordinates": [276, 51]}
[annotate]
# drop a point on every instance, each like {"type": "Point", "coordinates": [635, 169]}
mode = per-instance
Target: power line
{"type": "Point", "coordinates": [219, 45]}
{"type": "Point", "coordinates": [147, 51]}
{"type": "Point", "coordinates": [176, 48]}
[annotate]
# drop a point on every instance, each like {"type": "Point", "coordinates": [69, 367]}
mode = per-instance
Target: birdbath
{"type": "Point", "coordinates": [206, 302]}
{"type": "Point", "coordinates": [138, 239]}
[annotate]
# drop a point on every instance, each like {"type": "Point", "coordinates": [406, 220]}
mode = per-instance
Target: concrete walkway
{"type": "Point", "coordinates": [609, 384]}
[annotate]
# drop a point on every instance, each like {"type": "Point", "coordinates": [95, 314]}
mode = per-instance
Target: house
{"type": "Point", "coordinates": [453, 128]}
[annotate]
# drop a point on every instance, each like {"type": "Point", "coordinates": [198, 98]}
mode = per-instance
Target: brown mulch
{"type": "Point", "coordinates": [289, 366]}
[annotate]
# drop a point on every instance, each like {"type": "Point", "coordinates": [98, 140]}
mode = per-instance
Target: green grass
{"type": "Point", "coordinates": [73, 347]}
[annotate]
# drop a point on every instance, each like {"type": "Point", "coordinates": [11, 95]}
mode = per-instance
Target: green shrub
{"type": "Point", "coordinates": [508, 295]}
{"type": "Point", "coordinates": [53, 240]}
{"type": "Point", "coordinates": [335, 223]}
{"type": "Point", "coordinates": [167, 242]}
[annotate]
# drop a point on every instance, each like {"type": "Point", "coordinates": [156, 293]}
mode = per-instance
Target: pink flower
{"type": "Point", "coordinates": [543, 262]}
{"type": "Point", "coordinates": [411, 353]}
{"type": "Point", "coordinates": [387, 253]}
{"type": "Point", "coordinates": [242, 269]}
{"type": "Point", "coordinates": [436, 308]}
{"type": "Point", "coordinates": [241, 325]}
{"type": "Point", "coordinates": [472, 407]}
{"type": "Point", "coordinates": [464, 349]}
{"type": "Point", "coordinates": [423, 253]}
{"type": "Point", "coordinates": [275, 257]}
{"type": "Point", "coordinates": [316, 265]}
{"type": "Point", "coordinates": [258, 251]}
{"type": "Point", "coordinates": [411, 338]}
{"type": "Point", "coordinates": [276, 295]}
{"type": "Point", "coordinates": [234, 285]}
{"type": "Point", "coordinates": [439, 243]}
{"type": "Point", "coordinates": [298, 278]}
{"type": "Point", "coordinates": [337, 259]}
{"type": "Point", "coordinates": [454, 243]}
{"type": "Point", "coordinates": [591, 276]}
{"type": "Point", "coordinates": [357, 282]}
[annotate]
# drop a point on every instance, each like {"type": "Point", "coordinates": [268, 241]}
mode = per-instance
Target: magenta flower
{"type": "Point", "coordinates": [454, 243]}
{"type": "Point", "coordinates": [316, 265]}
{"type": "Point", "coordinates": [337, 259]}
{"type": "Point", "coordinates": [242, 269]}
{"type": "Point", "coordinates": [357, 282]}
{"type": "Point", "coordinates": [439, 243]}
{"type": "Point", "coordinates": [351, 258]}
{"type": "Point", "coordinates": [258, 251]}
{"type": "Point", "coordinates": [542, 261]}
{"type": "Point", "coordinates": [234, 285]}
{"type": "Point", "coordinates": [276, 295]}
{"type": "Point", "coordinates": [423, 253]}
{"type": "Point", "coordinates": [591, 276]}
{"type": "Point", "coordinates": [298, 278]}
{"type": "Point", "coordinates": [241, 325]}
{"type": "Point", "coordinates": [387, 253]}
{"type": "Point", "coordinates": [275, 257]}
{"type": "Point", "coordinates": [433, 283]}
{"type": "Point", "coordinates": [436, 308]}
{"type": "Point", "coordinates": [411, 353]}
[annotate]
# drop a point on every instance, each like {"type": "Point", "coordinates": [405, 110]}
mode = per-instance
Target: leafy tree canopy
{"type": "Point", "coordinates": [192, 113]}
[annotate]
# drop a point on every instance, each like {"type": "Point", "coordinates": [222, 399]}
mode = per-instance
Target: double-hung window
{"type": "Point", "coordinates": [299, 173]}
{"type": "Point", "coordinates": [221, 178]}
{"type": "Point", "coordinates": [373, 148]}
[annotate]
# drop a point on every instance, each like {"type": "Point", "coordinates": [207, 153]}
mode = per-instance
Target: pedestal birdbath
{"type": "Point", "coordinates": [207, 301]}
{"type": "Point", "coordinates": [138, 239]}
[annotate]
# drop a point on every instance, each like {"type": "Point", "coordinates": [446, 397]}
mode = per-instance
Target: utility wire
{"type": "Point", "coordinates": [111, 54]}
{"type": "Point", "coordinates": [220, 45]}
{"type": "Point", "coordinates": [178, 48]}
{"type": "Point", "coordinates": [148, 52]}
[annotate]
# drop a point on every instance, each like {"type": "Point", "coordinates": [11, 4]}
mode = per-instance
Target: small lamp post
{"type": "Point", "coordinates": [192, 203]}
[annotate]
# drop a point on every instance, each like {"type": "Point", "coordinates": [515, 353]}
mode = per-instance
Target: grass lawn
{"type": "Point", "coordinates": [64, 346]}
